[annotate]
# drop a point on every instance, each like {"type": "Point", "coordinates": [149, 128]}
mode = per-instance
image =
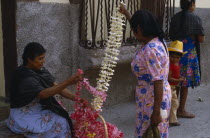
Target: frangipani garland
{"type": "Point", "coordinates": [110, 59]}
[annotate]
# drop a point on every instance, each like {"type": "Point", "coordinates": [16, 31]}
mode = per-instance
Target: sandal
{"type": "Point", "coordinates": [174, 124]}
{"type": "Point", "coordinates": [185, 115]}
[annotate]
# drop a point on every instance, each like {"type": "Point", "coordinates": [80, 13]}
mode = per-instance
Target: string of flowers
{"type": "Point", "coordinates": [85, 116]}
{"type": "Point", "coordinates": [110, 60]}
{"type": "Point", "coordinates": [86, 124]}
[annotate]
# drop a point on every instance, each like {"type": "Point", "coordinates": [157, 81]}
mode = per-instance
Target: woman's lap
{"type": "Point", "coordinates": [60, 129]}
{"type": "Point", "coordinates": [33, 121]}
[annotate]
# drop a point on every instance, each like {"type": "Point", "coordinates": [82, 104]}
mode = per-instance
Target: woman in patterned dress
{"type": "Point", "coordinates": [34, 112]}
{"type": "Point", "coordinates": [151, 67]}
{"type": "Point", "coordinates": [187, 27]}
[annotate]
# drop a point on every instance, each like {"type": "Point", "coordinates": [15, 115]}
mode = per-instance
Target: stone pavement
{"type": "Point", "coordinates": [123, 115]}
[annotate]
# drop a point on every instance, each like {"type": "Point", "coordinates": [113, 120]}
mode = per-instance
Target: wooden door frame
{"type": "Point", "coordinates": [8, 8]}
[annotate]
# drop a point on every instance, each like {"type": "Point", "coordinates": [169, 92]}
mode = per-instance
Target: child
{"type": "Point", "coordinates": [175, 53]}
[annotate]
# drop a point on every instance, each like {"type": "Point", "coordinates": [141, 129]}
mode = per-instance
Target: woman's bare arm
{"type": "Point", "coordinates": [158, 94]}
{"type": "Point", "coordinates": [56, 89]}
{"type": "Point", "coordinates": [158, 97]}
{"type": "Point", "coordinates": [201, 38]}
{"type": "Point", "coordinates": [67, 94]}
{"type": "Point", "coordinates": [124, 11]}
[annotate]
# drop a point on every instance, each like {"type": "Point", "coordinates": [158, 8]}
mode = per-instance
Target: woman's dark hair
{"type": "Point", "coordinates": [175, 53]}
{"type": "Point", "coordinates": [148, 23]}
{"type": "Point", "coordinates": [185, 5]}
{"type": "Point", "coordinates": [31, 51]}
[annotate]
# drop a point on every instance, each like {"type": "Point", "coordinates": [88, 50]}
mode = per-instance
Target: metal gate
{"type": "Point", "coordinates": [96, 14]}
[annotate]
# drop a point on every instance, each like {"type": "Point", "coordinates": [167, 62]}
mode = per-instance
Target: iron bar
{"type": "Point", "coordinates": [101, 21]}
{"type": "Point", "coordinates": [97, 15]}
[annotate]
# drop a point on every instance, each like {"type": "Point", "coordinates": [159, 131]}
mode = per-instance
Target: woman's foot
{"type": "Point", "coordinates": [174, 124]}
{"type": "Point", "coordinates": [185, 114]}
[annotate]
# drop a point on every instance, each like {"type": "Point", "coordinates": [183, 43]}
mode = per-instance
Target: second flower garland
{"type": "Point", "coordinates": [110, 60]}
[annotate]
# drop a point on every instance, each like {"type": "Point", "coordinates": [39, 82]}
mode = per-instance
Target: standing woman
{"type": "Point", "coordinates": [187, 27]}
{"type": "Point", "coordinates": [151, 67]}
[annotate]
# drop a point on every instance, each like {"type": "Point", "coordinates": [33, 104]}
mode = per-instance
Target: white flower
{"type": "Point", "coordinates": [111, 53]}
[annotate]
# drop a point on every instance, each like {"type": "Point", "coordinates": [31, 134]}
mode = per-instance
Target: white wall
{"type": "Point", "coordinates": [2, 84]}
{"type": "Point", "coordinates": [55, 1]}
{"type": "Point", "coordinates": [199, 3]}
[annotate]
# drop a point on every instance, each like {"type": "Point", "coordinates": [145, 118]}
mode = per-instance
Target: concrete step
{"type": "Point", "coordinates": [4, 108]}
{"type": "Point", "coordinates": [6, 133]}
{"type": "Point", "coordinates": [4, 111]}
{"type": "Point", "coordinates": [4, 114]}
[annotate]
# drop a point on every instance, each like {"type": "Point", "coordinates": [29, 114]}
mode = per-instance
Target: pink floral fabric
{"type": "Point", "coordinates": [151, 63]}
{"type": "Point", "coordinates": [34, 122]}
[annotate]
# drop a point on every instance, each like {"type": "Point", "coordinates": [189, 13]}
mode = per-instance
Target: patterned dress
{"type": "Point", "coordinates": [151, 63]}
{"type": "Point", "coordinates": [190, 64]}
{"type": "Point", "coordinates": [34, 122]}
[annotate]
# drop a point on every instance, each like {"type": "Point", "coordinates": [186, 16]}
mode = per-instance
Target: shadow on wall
{"type": "Point", "coordinates": [122, 86]}
{"type": "Point", "coordinates": [56, 27]}
{"type": "Point", "coordinates": [121, 90]}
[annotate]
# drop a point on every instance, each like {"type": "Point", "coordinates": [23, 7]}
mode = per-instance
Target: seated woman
{"type": "Point", "coordinates": [34, 111]}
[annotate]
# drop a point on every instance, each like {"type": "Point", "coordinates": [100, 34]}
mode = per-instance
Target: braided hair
{"type": "Point", "coordinates": [149, 25]}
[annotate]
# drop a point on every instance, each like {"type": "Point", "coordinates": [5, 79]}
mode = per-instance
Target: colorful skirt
{"type": "Point", "coordinates": [189, 64]}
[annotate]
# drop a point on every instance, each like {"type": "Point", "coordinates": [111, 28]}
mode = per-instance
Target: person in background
{"type": "Point", "coordinates": [175, 53]}
{"type": "Point", "coordinates": [187, 27]}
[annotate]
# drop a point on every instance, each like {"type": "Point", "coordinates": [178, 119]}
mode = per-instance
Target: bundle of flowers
{"type": "Point", "coordinates": [86, 124]}
{"type": "Point", "coordinates": [85, 116]}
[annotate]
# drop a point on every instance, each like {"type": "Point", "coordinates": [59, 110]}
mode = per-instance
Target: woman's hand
{"type": "Point", "coordinates": [155, 118]}
{"type": "Point", "coordinates": [75, 78]}
{"type": "Point", "coordinates": [124, 11]}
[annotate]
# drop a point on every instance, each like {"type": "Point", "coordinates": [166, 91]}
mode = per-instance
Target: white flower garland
{"type": "Point", "coordinates": [110, 59]}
